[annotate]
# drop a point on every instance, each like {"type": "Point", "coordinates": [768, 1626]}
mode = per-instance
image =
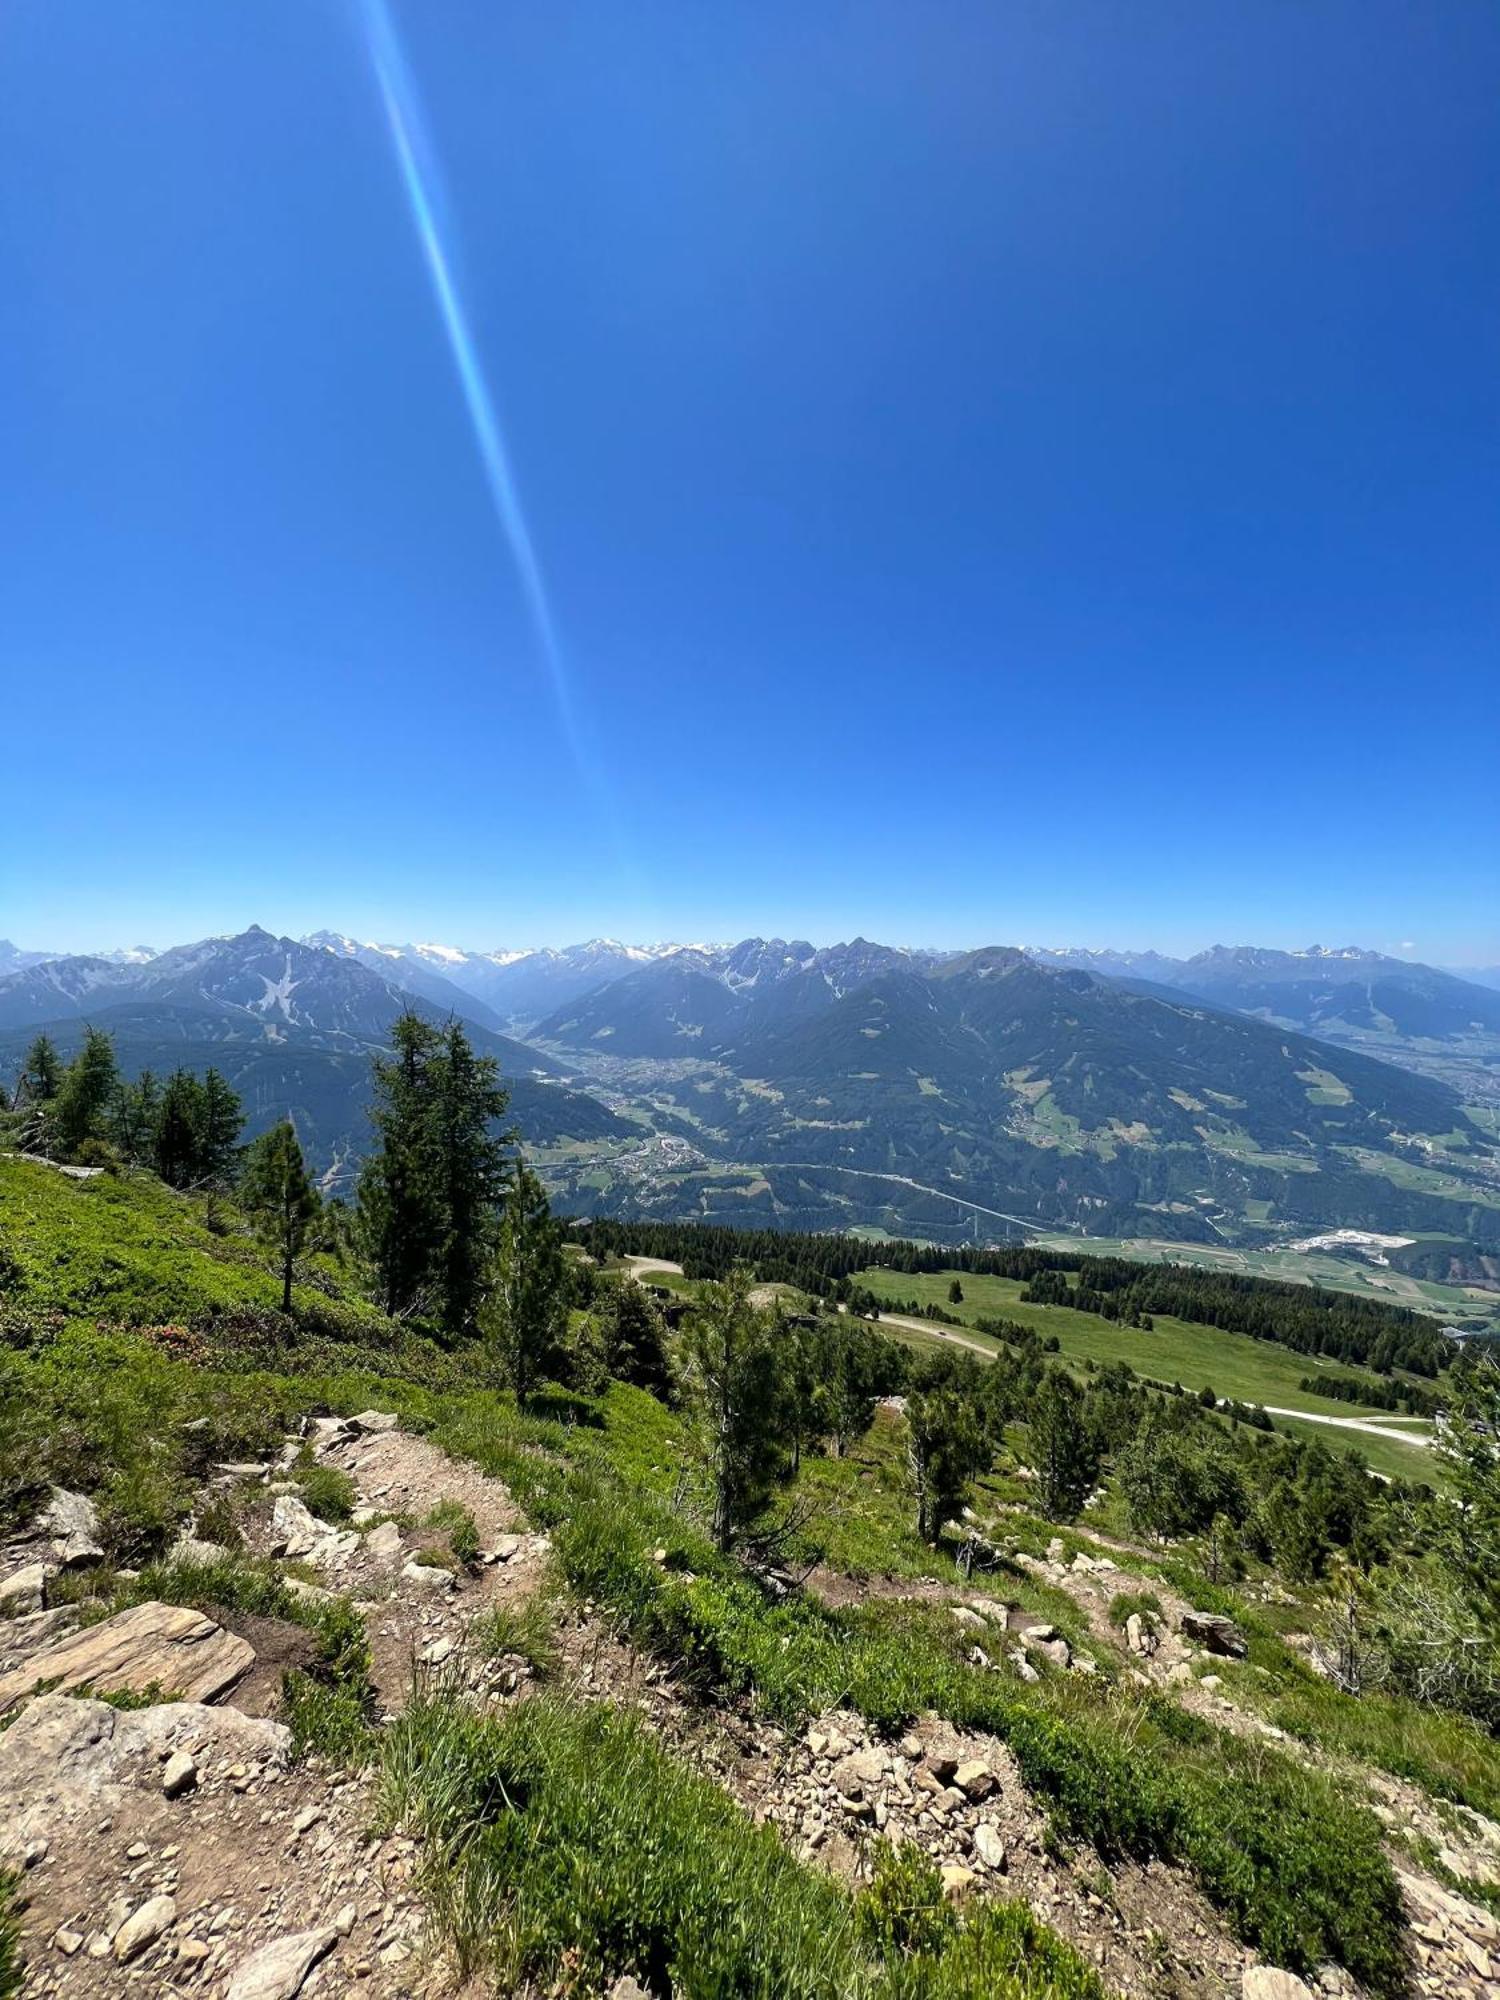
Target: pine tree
{"type": "Point", "coordinates": [280, 1197]}
{"type": "Point", "coordinates": [947, 1446]}
{"type": "Point", "coordinates": [41, 1073]}
{"type": "Point", "coordinates": [472, 1168]}
{"type": "Point", "coordinates": [1063, 1454]}
{"type": "Point", "coordinates": [400, 1198]}
{"type": "Point", "coordinates": [525, 1314]}
{"type": "Point", "coordinates": [736, 1355]}
{"type": "Point", "coordinates": [133, 1118]}
{"type": "Point", "coordinates": [955, 1293]}
{"type": "Point", "coordinates": [85, 1092]}
{"type": "Point", "coordinates": [221, 1118]}
{"type": "Point", "coordinates": [633, 1335]}
{"type": "Point", "coordinates": [178, 1126]}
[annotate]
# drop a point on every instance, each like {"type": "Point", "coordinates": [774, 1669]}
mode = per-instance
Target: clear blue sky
{"type": "Point", "coordinates": [995, 471]}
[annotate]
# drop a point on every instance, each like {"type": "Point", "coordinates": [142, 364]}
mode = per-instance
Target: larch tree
{"type": "Point", "coordinates": [525, 1313]}
{"type": "Point", "coordinates": [736, 1356]}
{"type": "Point", "coordinates": [280, 1197]}
{"type": "Point", "coordinates": [400, 1206]}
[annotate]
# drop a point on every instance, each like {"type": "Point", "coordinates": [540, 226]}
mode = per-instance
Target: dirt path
{"type": "Point", "coordinates": [642, 1267]}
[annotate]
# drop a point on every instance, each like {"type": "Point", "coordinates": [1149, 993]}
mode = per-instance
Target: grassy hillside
{"type": "Point", "coordinates": [137, 1348]}
{"type": "Point", "coordinates": [1174, 1350]}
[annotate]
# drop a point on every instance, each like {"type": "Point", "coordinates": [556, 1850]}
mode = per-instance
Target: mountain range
{"type": "Point", "coordinates": [1233, 1096]}
{"type": "Point", "coordinates": [290, 1025]}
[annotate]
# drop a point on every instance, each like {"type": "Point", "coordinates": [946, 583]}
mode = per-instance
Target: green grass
{"type": "Point", "coordinates": [1296, 1865]}
{"type": "Point", "coordinates": [128, 1249]}
{"type": "Point", "coordinates": [1232, 1364]}
{"type": "Point", "coordinates": [565, 1846]}
{"type": "Point", "coordinates": [12, 1971]}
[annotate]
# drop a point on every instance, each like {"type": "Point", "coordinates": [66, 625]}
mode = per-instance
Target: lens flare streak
{"type": "Point", "coordinates": [424, 191]}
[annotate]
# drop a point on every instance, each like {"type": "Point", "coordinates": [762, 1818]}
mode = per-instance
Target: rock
{"type": "Point", "coordinates": [1039, 1634]}
{"type": "Point", "coordinates": [144, 1926]}
{"type": "Point", "coordinates": [970, 1620]}
{"type": "Point", "coordinates": [374, 1422]}
{"type": "Point", "coordinates": [858, 1773]}
{"type": "Point", "coordinates": [295, 1531]}
{"type": "Point", "coordinates": [62, 1757]}
{"type": "Point", "coordinates": [430, 1576]}
{"type": "Point", "coordinates": [975, 1779]}
{"type": "Point", "coordinates": [957, 1881]}
{"type": "Point", "coordinates": [1212, 1682]}
{"type": "Point", "coordinates": [344, 1919]}
{"type": "Point", "coordinates": [179, 1774]}
{"type": "Point", "coordinates": [1266, 1982]}
{"type": "Point", "coordinates": [505, 1546]}
{"type": "Point", "coordinates": [277, 1971]}
{"type": "Point", "coordinates": [384, 1542]}
{"type": "Point", "coordinates": [189, 1549]}
{"type": "Point", "coordinates": [67, 1942]}
{"type": "Point", "coordinates": [435, 1654]}
{"type": "Point", "coordinates": [1024, 1669]}
{"type": "Point", "coordinates": [192, 1951]}
{"type": "Point", "coordinates": [989, 1847]}
{"type": "Point", "coordinates": [24, 1592]}
{"type": "Point", "coordinates": [168, 1646]}
{"type": "Point", "coordinates": [942, 1766]}
{"type": "Point", "coordinates": [1220, 1635]}
{"type": "Point", "coordinates": [72, 1524]}
{"type": "Point", "coordinates": [307, 1593]}
{"type": "Point", "coordinates": [1139, 1636]}
{"type": "Point", "coordinates": [308, 1817]}
{"type": "Point", "coordinates": [625, 1988]}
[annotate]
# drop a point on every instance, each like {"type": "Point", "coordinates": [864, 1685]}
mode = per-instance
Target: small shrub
{"type": "Point", "coordinates": [1145, 1604]}
{"type": "Point", "coordinates": [460, 1530]}
{"type": "Point", "coordinates": [904, 1909]}
{"type": "Point", "coordinates": [524, 1630]}
{"type": "Point", "coordinates": [326, 1491]}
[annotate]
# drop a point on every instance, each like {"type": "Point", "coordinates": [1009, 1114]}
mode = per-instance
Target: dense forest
{"type": "Point", "coordinates": [1306, 1318]}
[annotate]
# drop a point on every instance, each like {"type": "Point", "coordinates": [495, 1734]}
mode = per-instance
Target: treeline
{"type": "Point", "coordinates": [1306, 1318]}
{"type": "Point", "coordinates": [185, 1128]}
{"type": "Point", "coordinates": [1408, 1396]}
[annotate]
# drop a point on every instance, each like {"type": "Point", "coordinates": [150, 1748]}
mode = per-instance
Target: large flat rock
{"type": "Point", "coordinates": [163, 1646]}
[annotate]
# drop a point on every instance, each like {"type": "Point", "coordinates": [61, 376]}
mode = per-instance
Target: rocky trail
{"type": "Point", "coordinates": [178, 1848]}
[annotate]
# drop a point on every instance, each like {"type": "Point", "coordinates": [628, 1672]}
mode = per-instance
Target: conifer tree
{"type": "Point", "coordinates": [279, 1197]}
{"type": "Point", "coordinates": [133, 1118]}
{"type": "Point", "coordinates": [736, 1357]}
{"type": "Point", "coordinates": [400, 1202]}
{"type": "Point", "coordinates": [1064, 1455]}
{"type": "Point", "coordinates": [85, 1092]}
{"type": "Point", "coordinates": [947, 1446]}
{"type": "Point", "coordinates": [41, 1073]}
{"type": "Point", "coordinates": [471, 1165]}
{"type": "Point", "coordinates": [633, 1335]}
{"type": "Point", "coordinates": [178, 1125]}
{"type": "Point", "coordinates": [525, 1314]}
{"type": "Point", "coordinates": [221, 1118]}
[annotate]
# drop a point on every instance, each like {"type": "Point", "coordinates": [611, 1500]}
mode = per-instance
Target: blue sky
{"type": "Point", "coordinates": [993, 472]}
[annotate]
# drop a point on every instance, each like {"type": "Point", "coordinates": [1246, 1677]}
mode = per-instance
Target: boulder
{"type": "Point", "coordinates": [1139, 1636]}
{"type": "Point", "coordinates": [24, 1591]}
{"type": "Point", "coordinates": [1220, 1635]}
{"type": "Point", "coordinates": [1268, 1982]}
{"type": "Point", "coordinates": [374, 1422]}
{"type": "Point", "coordinates": [71, 1524]}
{"type": "Point", "coordinates": [957, 1881]}
{"type": "Point", "coordinates": [989, 1847]}
{"type": "Point", "coordinates": [429, 1576]}
{"type": "Point", "coordinates": [166, 1646]}
{"type": "Point", "coordinates": [279, 1970]}
{"type": "Point", "coordinates": [384, 1542]}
